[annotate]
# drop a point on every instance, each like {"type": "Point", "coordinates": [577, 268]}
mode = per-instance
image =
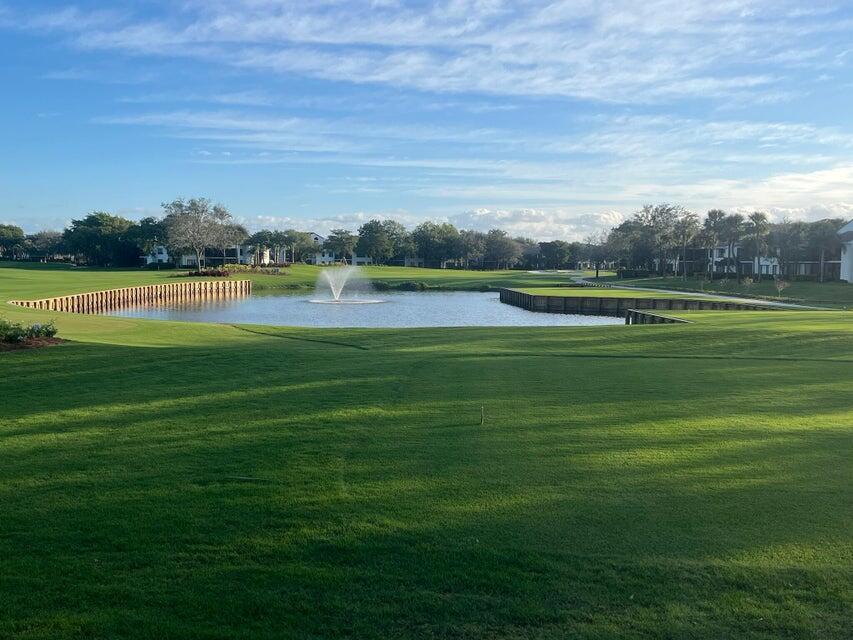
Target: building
{"type": "Point", "coordinates": [725, 259]}
{"type": "Point", "coordinates": [243, 254]}
{"type": "Point", "coordinates": [326, 257]}
{"type": "Point", "coordinates": [731, 260]}
{"type": "Point", "coordinates": [845, 234]}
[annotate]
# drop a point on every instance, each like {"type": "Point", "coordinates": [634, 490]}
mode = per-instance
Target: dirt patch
{"type": "Point", "coordinates": [31, 343]}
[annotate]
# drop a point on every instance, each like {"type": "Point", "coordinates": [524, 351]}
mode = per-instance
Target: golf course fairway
{"type": "Point", "coordinates": [179, 480]}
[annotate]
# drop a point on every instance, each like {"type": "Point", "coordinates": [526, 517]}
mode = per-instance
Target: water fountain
{"type": "Point", "coordinates": [336, 279]}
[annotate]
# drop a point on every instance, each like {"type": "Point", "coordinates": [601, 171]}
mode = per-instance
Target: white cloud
{"type": "Point", "coordinates": [617, 50]}
{"type": "Point", "coordinates": [541, 224]}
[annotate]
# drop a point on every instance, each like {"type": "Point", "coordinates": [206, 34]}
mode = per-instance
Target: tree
{"type": "Point", "coordinates": [823, 236]}
{"type": "Point", "coordinates": [340, 242]}
{"type": "Point", "coordinates": [660, 221]}
{"type": "Point", "coordinates": [529, 252]}
{"type": "Point", "coordinates": [261, 240]}
{"type": "Point", "coordinates": [631, 242]}
{"type": "Point", "coordinates": [147, 235]}
{"type": "Point", "coordinates": [712, 232]}
{"type": "Point", "coordinates": [555, 254]}
{"type": "Point", "coordinates": [402, 245]}
{"type": "Point", "coordinates": [596, 245]}
{"type": "Point", "coordinates": [780, 285]}
{"type": "Point", "coordinates": [11, 238]}
{"type": "Point", "coordinates": [756, 229]}
{"type": "Point", "coordinates": [374, 242]}
{"type": "Point", "coordinates": [103, 239]}
{"type": "Point", "coordinates": [686, 228]}
{"type": "Point", "coordinates": [473, 245]}
{"type": "Point", "coordinates": [45, 244]}
{"type": "Point", "coordinates": [731, 232]}
{"type": "Point", "coordinates": [191, 226]}
{"type": "Point", "coordinates": [500, 250]}
{"type": "Point", "coordinates": [226, 233]}
{"type": "Point", "coordinates": [437, 243]}
{"type": "Point", "coordinates": [787, 239]}
{"type": "Point", "coordinates": [301, 244]}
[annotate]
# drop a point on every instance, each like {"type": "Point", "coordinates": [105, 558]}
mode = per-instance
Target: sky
{"type": "Point", "coordinates": [551, 120]}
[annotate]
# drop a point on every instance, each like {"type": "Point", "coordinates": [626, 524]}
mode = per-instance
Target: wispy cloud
{"type": "Point", "coordinates": [550, 119]}
{"type": "Point", "coordinates": [616, 51]}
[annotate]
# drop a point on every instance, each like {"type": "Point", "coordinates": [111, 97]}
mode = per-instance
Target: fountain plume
{"type": "Point", "coordinates": [343, 278]}
{"type": "Point", "coordinates": [337, 278]}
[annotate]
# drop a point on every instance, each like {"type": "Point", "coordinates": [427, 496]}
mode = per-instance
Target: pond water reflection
{"type": "Point", "coordinates": [398, 309]}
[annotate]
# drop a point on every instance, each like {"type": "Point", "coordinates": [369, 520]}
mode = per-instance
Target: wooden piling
{"type": "Point", "coordinates": [112, 299]}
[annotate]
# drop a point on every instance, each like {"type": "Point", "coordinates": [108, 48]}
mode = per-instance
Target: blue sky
{"type": "Point", "coordinates": [552, 120]}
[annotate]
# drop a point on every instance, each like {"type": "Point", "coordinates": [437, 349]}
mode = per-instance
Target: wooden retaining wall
{"type": "Point", "coordinates": [613, 306]}
{"type": "Point", "coordinates": [112, 299]}
{"type": "Point", "coordinates": [632, 316]}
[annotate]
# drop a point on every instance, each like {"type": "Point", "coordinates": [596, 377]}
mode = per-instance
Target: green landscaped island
{"type": "Point", "coordinates": [175, 480]}
{"type": "Point", "coordinates": [820, 294]}
{"type": "Point", "coordinates": [609, 292]}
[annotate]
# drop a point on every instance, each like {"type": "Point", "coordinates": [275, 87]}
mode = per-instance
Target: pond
{"type": "Point", "coordinates": [398, 309]}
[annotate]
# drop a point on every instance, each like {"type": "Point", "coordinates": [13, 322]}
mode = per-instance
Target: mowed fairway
{"type": "Point", "coordinates": [170, 480]}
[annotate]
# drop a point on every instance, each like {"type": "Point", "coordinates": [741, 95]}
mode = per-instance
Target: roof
{"type": "Point", "coordinates": [846, 232]}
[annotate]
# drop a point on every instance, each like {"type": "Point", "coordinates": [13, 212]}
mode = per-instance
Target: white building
{"type": "Point", "coordinates": [326, 257]}
{"type": "Point", "coordinates": [846, 235]}
{"type": "Point", "coordinates": [766, 266]}
{"type": "Point", "coordinates": [243, 254]}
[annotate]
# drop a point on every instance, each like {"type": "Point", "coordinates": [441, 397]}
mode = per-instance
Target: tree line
{"type": "Point", "coordinates": [657, 238]}
{"type": "Point", "coordinates": [667, 237]}
{"type": "Point", "coordinates": [208, 231]}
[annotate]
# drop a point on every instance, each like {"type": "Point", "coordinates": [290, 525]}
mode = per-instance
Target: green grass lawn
{"type": "Point", "coordinates": [176, 480]}
{"type": "Point", "coordinates": [823, 294]}
{"type": "Point", "coordinates": [32, 280]}
{"type": "Point", "coordinates": [593, 292]}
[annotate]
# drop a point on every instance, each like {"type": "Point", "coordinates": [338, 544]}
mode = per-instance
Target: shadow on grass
{"type": "Point", "coordinates": [266, 488]}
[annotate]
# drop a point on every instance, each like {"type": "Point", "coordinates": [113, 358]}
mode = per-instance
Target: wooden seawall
{"type": "Point", "coordinates": [632, 316]}
{"type": "Point", "coordinates": [112, 299]}
{"type": "Point", "coordinates": [617, 306]}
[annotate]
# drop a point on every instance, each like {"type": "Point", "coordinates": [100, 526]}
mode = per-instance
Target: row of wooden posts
{"type": "Point", "coordinates": [112, 299]}
{"type": "Point", "coordinates": [616, 306]}
{"type": "Point", "coordinates": [634, 316]}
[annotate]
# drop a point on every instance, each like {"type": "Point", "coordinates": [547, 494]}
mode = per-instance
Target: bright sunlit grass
{"type": "Point", "coordinates": [168, 479]}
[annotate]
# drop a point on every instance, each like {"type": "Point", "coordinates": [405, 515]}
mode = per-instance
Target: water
{"type": "Point", "coordinates": [399, 309]}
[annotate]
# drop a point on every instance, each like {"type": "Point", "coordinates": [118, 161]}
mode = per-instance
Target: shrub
{"type": "Point", "coordinates": [208, 273]}
{"type": "Point", "coordinates": [253, 268]}
{"type": "Point", "coordinates": [12, 332]}
{"type": "Point", "coordinates": [16, 333]}
{"type": "Point", "coordinates": [412, 286]}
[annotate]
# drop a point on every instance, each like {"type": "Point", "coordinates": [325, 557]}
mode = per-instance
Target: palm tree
{"type": "Point", "coordinates": [787, 239]}
{"type": "Point", "coordinates": [732, 231]}
{"type": "Point", "coordinates": [757, 227]}
{"type": "Point", "coordinates": [261, 241]}
{"type": "Point", "coordinates": [824, 236]}
{"type": "Point", "coordinates": [686, 228]}
{"type": "Point", "coordinates": [711, 233]}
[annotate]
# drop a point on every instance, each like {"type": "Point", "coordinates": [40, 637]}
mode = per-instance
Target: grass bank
{"type": "Point", "coordinates": [33, 280]}
{"type": "Point", "coordinates": [822, 294]}
{"type": "Point", "coordinates": [177, 480]}
{"type": "Point", "coordinates": [609, 292]}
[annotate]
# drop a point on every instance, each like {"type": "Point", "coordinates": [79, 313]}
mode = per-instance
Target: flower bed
{"type": "Point", "coordinates": [14, 335]}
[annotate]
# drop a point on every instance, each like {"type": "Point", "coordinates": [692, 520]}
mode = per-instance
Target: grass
{"type": "Point", "coordinates": [593, 292]}
{"type": "Point", "coordinates": [173, 480]}
{"type": "Point", "coordinates": [32, 280]}
{"type": "Point", "coordinates": [824, 294]}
